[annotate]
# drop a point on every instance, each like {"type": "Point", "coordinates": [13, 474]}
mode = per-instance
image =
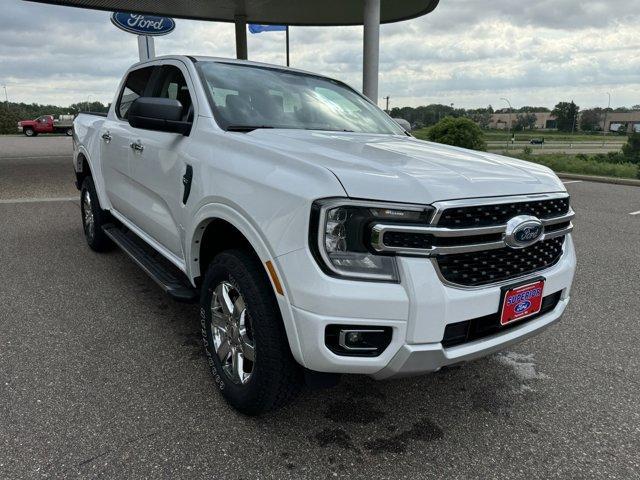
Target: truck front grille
{"type": "Point", "coordinates": [490, 266]}
{"type": "Point", "coordinates": [469, 242]}
{"type": "Point", "coordinates": [488, 215]}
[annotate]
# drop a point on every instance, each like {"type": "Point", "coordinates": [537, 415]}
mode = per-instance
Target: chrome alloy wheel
{"type": "Point", "coordinates": [232, 334]}
{"type": "Point", "coordinates": [87, 214]}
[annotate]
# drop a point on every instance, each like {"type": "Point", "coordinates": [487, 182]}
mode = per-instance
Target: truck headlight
{"type": "Point", "coordinates": [340, 236]}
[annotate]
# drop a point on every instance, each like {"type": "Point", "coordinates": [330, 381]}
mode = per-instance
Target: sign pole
{"type": "Point", "coordinates": [146, 47]}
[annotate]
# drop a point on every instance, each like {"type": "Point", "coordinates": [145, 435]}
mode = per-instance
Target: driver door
{"type": "Point", "coordinates": [158, 164]}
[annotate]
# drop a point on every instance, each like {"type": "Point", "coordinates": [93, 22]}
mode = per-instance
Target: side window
{"type": "Point", "coordinates": [173, 85]}
{"type": "Point", "coordinates": [134, 87]}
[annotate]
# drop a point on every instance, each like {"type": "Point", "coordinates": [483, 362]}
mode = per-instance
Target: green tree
{"type": "Point", "coordinates": [631, 149]}
{"type": "Point", "coordinates": [525, 120]}
{"type": "Point", "coordinates": [459, 132]}
{"type": "Point", "coordinates": [11, 113]}
{"type": "Point", "coordinates": [527, 109]}
{"type": "Point", "coordinates": [566, 114]}
{"type": "Point", "coordinates": [590, 120]}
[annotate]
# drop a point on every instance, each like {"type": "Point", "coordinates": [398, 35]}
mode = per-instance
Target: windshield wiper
{"type": "Point", "coordinates": [245, 128]}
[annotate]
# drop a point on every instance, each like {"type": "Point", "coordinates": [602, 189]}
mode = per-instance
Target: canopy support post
{"type": "Point", "coordinates": [371, 49]}
{"type": "Point", "coordinates": [241, 37]}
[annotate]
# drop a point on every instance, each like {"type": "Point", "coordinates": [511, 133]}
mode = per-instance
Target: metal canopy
{"type": "Point", "coordinates": [370, 13]}
{"type": "Point", "coordinates": [287, 12]}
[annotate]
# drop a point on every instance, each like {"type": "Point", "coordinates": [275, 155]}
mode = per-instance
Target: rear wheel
{"type": "Point", "coordinates": [69, 132]}
{"type": "Point", "coordinates": [93, 217]}
{"type": "Point", "coordinates": [244, 336]}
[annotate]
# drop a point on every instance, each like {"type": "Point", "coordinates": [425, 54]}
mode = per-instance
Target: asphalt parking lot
{"type": "Point", "coordinates": [102, 375]}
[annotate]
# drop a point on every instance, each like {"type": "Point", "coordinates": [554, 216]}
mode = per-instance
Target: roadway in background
{"type": "Point", "coordinates": [103, 376]}
{"type": "Point", "coordinates": [551, 146]}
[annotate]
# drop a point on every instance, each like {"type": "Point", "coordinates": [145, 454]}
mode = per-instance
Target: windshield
{"type": "Point", "coordinates": [244, 97]}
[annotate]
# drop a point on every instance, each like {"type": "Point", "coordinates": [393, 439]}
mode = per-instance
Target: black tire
{"type": "Point", "coordinates": [275, 377]}
{"type": "Point", "coordinates": [69, 132]}
{"type": "Point", "coordinates": [28, 132]}
{"type": "Point", "coordinates": [90, 209]}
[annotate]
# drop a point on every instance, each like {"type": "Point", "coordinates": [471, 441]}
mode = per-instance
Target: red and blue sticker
{"type": "Point", "coordinates": [521, 302]}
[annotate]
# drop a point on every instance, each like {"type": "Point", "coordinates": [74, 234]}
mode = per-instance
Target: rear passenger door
{"type": "Point", "coordinates": [159, 165]}
{"type": "Point", "coordinates": [115, 142]}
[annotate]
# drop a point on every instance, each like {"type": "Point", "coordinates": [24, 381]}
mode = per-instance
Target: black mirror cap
{"type": "Point", "coordinates": [160, 114]}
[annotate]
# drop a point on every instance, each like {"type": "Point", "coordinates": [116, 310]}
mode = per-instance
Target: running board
{"type": "Point", "coordinates": [165, 274]}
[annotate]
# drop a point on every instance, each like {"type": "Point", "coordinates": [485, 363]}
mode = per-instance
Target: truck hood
{"type": "Point", "coordinates": [404, 169]}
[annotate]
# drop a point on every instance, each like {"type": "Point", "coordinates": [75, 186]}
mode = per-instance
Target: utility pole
{"type": "Point", "coordinates": [387, 99]}
{"type": "Point", "coordinates": [6, 97]}
{"type": "Point", "coordinates": [287, 40]}
{"type": "Point", "coordinates": [510, 108]}
{"type": "Point", "coordinates": [575, 117]}
{"type": "Point", "coordinates": [604, 125]}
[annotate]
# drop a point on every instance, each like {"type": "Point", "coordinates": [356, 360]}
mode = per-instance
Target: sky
{"type": "Point", "coordinates": [470, 53]}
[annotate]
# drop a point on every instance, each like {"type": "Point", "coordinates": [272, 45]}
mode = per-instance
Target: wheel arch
{"type": "Point", "coordinates": [218, 227]}
{"type": "Point", "coordinates": [82, 169]}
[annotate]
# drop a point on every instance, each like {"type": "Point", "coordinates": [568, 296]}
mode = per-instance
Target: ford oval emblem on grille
{"type": "Point", "coordinates": [523, 231]}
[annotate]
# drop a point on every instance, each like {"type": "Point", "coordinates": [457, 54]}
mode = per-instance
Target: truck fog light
{"type": "Point", "coordinates": [353, 338]}
{"type": "Point", "coordinates": [357, 340]}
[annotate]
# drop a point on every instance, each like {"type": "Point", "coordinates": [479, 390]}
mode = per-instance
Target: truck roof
{"type": "Point", "coordinates": [204, 58]}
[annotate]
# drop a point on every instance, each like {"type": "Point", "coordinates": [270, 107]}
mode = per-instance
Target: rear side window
{"type": "Point", "coordinates": [134, 87]}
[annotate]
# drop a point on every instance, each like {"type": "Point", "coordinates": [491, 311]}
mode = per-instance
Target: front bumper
{"type": "Point", "coordinates": [417, 359]}
{"type": "Point", "coordinates": [418, 311]}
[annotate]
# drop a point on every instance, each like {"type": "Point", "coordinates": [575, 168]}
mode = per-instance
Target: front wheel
{"type": "Point", "coordinates": [69, 132]}
{"type": "Point", "coordinates": [244, 336]}
{"type": "Point", "coordinates": [29, 132]}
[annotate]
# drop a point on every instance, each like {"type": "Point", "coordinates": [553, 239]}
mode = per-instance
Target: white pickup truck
{"type": "Point", "coordinates": [317, 235]}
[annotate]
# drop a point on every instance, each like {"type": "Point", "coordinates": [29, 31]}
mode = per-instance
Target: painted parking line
{"type": "Point", "coordinates": [635, 213]}
{"type": "Point", "coordinates": [37, 200]}
{"type": "Point", "coordinates": [572, 181]}
{"type": "Point", "coordinates": [31, 157]}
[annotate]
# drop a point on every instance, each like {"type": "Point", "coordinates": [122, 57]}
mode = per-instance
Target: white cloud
{"type": "Point", "coordinates": [466, 52]}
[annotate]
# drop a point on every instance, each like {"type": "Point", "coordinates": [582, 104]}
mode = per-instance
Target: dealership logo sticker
{"type": "Point", "coordinates": [143, 24]}
{"type": "Point", "coordinates": [523, 306]}
{"type": "Point", "coordinates": [521, 302]}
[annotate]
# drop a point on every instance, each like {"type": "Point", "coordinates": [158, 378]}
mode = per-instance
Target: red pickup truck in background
{"type": "Point", "coordinates": [47, 124]}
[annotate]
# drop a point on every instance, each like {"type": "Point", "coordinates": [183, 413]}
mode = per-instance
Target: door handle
{"type": "Point", "coordinates": [106, 136]}
{"type": "Point", "coordinates": [137, 146]}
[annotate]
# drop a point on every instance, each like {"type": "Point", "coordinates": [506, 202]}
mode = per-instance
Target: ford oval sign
{"type": "Point", "coordinates": [523, 231]}
{"type": "Point", "coordinates": [143, 24]}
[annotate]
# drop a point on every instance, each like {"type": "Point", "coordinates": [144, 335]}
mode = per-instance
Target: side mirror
{"type": "Point", "coordinates": [160, 114]}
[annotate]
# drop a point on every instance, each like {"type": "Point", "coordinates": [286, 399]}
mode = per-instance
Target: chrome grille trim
{"type": "Point", "coordinates": [379, 230]}
{"type": "Point", "coordinates": [477, 202]}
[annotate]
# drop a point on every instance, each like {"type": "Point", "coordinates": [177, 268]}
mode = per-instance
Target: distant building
{"type": "Point", "coordinates": [628, 121]}
{"type": "Point", "coordinates": [544, 120]}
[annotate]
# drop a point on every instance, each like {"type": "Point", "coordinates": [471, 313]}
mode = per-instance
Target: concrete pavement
{"type": "Point", "coordinates": [103, 376]}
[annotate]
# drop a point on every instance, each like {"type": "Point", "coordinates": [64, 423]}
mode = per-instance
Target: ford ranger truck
{"type": "Point", "coordinates": [318, 237]}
